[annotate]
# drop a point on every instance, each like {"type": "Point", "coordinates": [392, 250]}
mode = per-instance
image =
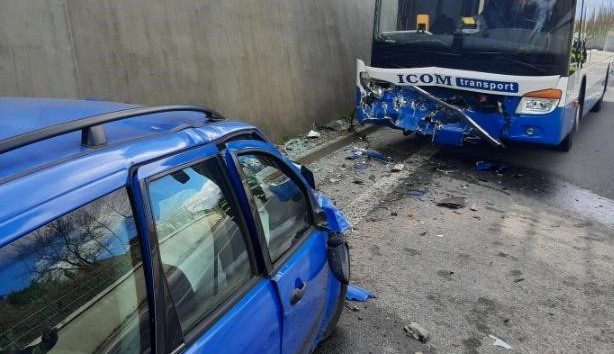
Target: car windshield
{"type": "Point", "coordinates": [535, 29]}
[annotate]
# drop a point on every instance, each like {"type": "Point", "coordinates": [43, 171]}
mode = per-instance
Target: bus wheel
{"type": "Point", "coordinates": [567, 143]}
{"type": "Point", "coordinates": [597, 107]}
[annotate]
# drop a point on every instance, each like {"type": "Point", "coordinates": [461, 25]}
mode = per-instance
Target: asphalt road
{"type": "Point", "coordinates": [590, 163]}
{"type": "Point", "coordinates": [528, 259]}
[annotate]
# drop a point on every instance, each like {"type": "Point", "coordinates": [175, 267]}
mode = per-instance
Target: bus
{"type": "Point", "coordinates": [462, 71]}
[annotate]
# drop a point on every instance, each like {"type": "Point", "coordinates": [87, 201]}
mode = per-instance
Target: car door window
{"type": "Point", "coordinates": [282, 205]}
{"type": "Point", "coordinates": [202, 246]}
{"type": "Point", "coordinates": [76, 285]}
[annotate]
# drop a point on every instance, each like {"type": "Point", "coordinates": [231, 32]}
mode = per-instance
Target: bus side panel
{"type": "Point", "coordinates": [595, 70]}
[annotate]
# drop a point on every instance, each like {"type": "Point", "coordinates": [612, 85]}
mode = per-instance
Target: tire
{"type": "Point", "coordinates": [597, 107]}
{"type": "Point", "coordinates": [567, 143]}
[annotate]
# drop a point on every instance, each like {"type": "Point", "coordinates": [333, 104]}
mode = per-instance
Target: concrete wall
{"type": "Point", "coordinates": [278, 64]}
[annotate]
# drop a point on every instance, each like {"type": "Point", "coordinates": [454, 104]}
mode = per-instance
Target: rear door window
{"type": "Point", "coordinates": [204, 254]}
{"type": "Point", "coordinates": [76, 285]}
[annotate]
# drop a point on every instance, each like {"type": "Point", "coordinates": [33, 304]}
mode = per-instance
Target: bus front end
{"type": "Point", "coordinates": [470, 70]}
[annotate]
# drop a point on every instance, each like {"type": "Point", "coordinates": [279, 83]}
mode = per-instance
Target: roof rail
{"type": "Point", "coordinates": [92, 131]}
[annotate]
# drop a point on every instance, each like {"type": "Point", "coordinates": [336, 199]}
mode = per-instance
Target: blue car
{"type": "Point", "coordinates": [162, 229]}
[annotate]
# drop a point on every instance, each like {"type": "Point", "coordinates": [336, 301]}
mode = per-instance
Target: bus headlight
{"type": "Point", "coordinates": [373, 86]}
{"type": "Point", "coordinates": [539, 102]}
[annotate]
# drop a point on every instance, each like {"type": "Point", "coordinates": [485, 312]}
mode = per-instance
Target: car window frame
{"type": "Point", "coordinates": [205, 323]}
{"type": "Point", "coordinates": [274, 267]}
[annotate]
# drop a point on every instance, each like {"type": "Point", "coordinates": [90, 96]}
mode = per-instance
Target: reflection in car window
{"type": "Point", "coordinates": [281, 204]}
{"type": "Point", "coordinates": [76, 285]}
{"type": "Point", "coordinates": [202, 247]}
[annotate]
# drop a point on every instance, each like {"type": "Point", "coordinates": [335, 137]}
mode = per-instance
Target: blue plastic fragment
{"type": "Point", "coordinates": [334, 217]}
{"type": "Point", "coordinates": [376, 155]}
{"type": "Point", "coordinates": [356, 293]}
{"type": "Point", "coordinates": [357, 153]}
{"type": "Point", "coordinates": [489, 166]}
{"type": "Point", "coordinates": [416, 193]}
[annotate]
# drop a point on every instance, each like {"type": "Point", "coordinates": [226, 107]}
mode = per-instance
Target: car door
{"type": "Point", "coordinates": [210, 290]}
{"type": "Point", "coordinates": [282, 213]}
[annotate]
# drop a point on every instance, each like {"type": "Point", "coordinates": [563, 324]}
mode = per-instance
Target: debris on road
{"type": "Point", "coordinates": [446, 172]}
{"type": "Point", "coordinates": [411, 213]}
{"type": "Point", "coordinates": [489, 166]}
{"type": "Point", "coordinates": [313, 134]}
{"type": "Point", "coordinates": [356, 293]}
{"type": "Point", "coordinates": [415, 330]}
{"type": "Point", "coordinates": [452, 203]}
{"type": "Point", "coordinates": [439, 235]}
{"type": "Point", "coordinates": [473, 207]}
{"type": "Point", "coordinates": [351, 306]}
{"type": "Point", "coordinates": [518, 280]}
{"type": "Point", "coordinates": [357, 153]}
{"type": "Point", "coordinates": [398, 167]}
{"type": "Point", "coordinates": [334, 180]}
{"type": "Point", "coordinates": [337, 125]}
{"type": "Point", "coordinates": [416, 193]}
{"type": "Point", "coordinates": [500, 343]}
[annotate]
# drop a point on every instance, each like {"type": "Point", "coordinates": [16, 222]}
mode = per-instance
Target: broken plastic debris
{"type": "Point", "coordinates": [453, 203]}
{"type": "Point", "coordinates": [372, 154]}
{"type": "Point", "coordinates": [446, 172]}
{"type": "Point", "coordinates": [415, 330]}
{"type": "Point", "coordinates": [416, 193]}
{"type": "Point", "coordinates": [500, 343]}
{"type": "Point", "coordinates": [313, 134]}
{"type": "Point", "coordinates": [351, 306]}
{"type": "Point", "coordinates": [356, 293]}
{"type": "Point", "coordinates": [337, 125]}
{"type": "Point", "coordinates": [489, 166]}
{"type": "Point", "coordinates": [398, 167]}
{"type": "Point", "coordinates": [439, 235]}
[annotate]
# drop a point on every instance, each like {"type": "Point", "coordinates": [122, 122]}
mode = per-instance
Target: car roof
{"type": "Point", "coordinates": [63, 164]}
{"type": "Point", "coordinates": [23, 115]}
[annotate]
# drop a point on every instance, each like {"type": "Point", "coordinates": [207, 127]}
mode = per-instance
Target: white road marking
{"type": "Point", "coordinates": [374, 194]}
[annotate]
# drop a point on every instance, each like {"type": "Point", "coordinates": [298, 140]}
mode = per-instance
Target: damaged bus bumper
{"type": "Point", "coordinates": [453, 107]}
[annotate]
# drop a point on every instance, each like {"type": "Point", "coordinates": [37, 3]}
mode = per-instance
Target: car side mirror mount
{"type": "Point", "coordinates": [321, 220]}
{"type": "Point", "coordinates": [308, 176]}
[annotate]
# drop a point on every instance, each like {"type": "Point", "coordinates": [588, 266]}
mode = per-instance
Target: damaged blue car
{"type": "Point", "coordinates": [164, 229]}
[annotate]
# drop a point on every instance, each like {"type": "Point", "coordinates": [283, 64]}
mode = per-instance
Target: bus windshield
{"type": "Point", "coordinates": [523, 36]}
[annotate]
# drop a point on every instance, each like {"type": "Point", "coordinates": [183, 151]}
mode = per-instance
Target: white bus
{"type": "Point", "coordinates": [494, 70]}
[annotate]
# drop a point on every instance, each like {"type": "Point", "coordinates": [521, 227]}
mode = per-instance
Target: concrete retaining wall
{"type": "Point", "coordinates": [278, 64]}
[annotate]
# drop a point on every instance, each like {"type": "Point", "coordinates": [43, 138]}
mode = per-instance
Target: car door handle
{"type": "Point", "coordinates": [297, 294]}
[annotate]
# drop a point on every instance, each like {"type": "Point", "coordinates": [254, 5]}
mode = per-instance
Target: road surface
{"type": "Point", "coordinates": [529, 259]}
